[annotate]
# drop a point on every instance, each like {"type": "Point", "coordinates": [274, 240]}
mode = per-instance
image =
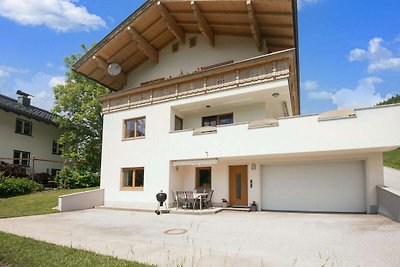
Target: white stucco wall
{"type": "Point", "coordinates": [372, 131]}
{"type": "Point", "coordinates": [187, 59]}
{"type": "Point", "coordinates": [81, 201]}
{"type": "Point", "coordinates": [39, 144]}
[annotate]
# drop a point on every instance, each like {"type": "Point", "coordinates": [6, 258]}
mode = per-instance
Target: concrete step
{"type": "Point", "coordinates": [246, 209]}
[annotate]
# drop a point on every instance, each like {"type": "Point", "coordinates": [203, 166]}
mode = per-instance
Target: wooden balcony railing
{"type": "Point", "coordinates": [253, 71]}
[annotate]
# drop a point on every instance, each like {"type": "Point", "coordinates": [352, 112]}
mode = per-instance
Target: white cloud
{"type": "Point", "coordinates": [364, 95]}
{"type": "Point", "coordinates": [357, 54]}
{"type": "Point", "coordinates": [56, 80]}
{"type": "Point", "coordinates": [320, 95]}
{"type": "Point", "coordinates": [302, 3]}
{"type": "Point", "coordinates": [310, 85]}
{"type": "Point", "coordinates": [385, 64]}
{"type": "Point", "coordinates": [378, 57]}
{"type": "Point", "coordinates": [5, 72]}
{"type": "Point", "coordinates": [59, 15]}
{"type": "Point", "coordinates": [49, 65]}
{"type": "Point", "coordinates": [397, 39]}
{"type": "Point", "coordinates": [40, 86]}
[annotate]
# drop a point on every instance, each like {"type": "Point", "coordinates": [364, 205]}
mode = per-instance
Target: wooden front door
{"type": "Point", "coordinates": [238, 186]}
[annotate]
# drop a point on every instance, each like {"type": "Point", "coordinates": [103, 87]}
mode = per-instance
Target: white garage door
{"type": "Point", "coordinates": [325, 187]}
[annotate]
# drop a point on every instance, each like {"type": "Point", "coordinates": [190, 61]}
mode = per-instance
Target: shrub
{"type": "Point", "coordinates": [12, 186]}
{"type": "Point", "coordinates": [68, 178]}
{"type": "Point", "coordinates": [11, 170]}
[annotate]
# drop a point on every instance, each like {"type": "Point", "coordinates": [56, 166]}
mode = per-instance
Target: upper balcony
{"type": "Point", "coordinates": [212, 79]}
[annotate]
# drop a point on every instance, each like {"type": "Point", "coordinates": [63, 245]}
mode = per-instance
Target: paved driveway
{"type": "Point", "coordinates": [224, 239]}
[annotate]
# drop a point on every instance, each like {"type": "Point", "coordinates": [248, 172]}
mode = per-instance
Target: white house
{"type": "Point", "coordinates": [28, 132]}
{"type": "Point", "coordinates": [206, 95]}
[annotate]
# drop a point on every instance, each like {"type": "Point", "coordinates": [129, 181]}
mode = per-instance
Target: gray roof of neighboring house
{"type": "Point", "coordinates": [11, 105]}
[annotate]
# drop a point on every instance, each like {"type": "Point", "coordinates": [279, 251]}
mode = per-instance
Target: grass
{"type": "Point", "coordinates": [392, 159]}
{"type": "Point", "coordinates": [21, 251]}
{"type": "Point", "coordinates": [33, 204]}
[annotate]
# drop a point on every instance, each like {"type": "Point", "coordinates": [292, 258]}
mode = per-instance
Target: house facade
{"type": "Point", "coordinates": [29, 132]}
{"type": "Point", "coordinates": [206, 96]}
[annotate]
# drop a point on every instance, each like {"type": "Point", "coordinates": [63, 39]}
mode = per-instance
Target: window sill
{"type": "Point", "coordinates": [132, 189]}
{"type": "Point", "coordinates": [24, 134]}
{"type": "Point", "coordinates": [133, 138]}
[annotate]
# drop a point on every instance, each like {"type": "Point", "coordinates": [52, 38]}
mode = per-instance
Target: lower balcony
{"type": "Point", "coordinates": [369, 129]}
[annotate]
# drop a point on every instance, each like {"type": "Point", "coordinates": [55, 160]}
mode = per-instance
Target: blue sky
{"type": "Point", "coordinates": [349, 50]}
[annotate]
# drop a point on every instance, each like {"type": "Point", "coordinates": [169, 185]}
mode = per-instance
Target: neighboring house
{"type": "Point", "coordinates": [206, 95]}
{"type": "Point", "coordinates": [26, 132]}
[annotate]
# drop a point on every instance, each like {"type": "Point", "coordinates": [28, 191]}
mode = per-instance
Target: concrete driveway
{"type": "Point", "coordinates": [223, 239]}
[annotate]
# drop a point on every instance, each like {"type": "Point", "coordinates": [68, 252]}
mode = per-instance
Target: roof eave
{"type": "Point", "coordinates": [30, 116]}
{"type": "Point", "coordinates": [111, 35]}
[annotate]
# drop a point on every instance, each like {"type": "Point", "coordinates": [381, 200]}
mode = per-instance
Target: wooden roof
{"type": "Point", "coordinates": [157, 23]}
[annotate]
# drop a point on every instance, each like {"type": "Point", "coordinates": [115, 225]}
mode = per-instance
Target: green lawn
{"type": "Point", "coordinates": [21, 251]}
{"type": "Point", "coordinates": [392, 159]}
{"type": "Point", "coordinates": [33, 204]}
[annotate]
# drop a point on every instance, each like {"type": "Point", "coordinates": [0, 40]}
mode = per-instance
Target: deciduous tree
{"type": "Point", "coordinates": [80, 118]}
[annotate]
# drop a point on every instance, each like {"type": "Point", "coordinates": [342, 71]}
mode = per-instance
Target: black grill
{"type": "Point", "coordinates": [161, 198]}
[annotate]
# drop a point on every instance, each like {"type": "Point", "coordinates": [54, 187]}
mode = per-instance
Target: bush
{"type": "Point", "coordinates": [70, 179]}
{"type": "Point", "coordinates": [11, 186]}
{"type": "Point", "coordinates": [11, 170]}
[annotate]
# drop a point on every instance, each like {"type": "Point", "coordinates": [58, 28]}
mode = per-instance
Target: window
{"type": "Point", "coordinates": [217, 120]}
{"type": "Point", "coordinates": [175, 47]}
{"type": "Point", "coordinates": [21, 158]}
{"type": "Point", "coordinates": [192, 42]}
{"type": "Point", "coordinates": [23, 127]}
{"type": "Point", "coordinates": [132, 178]}
{"type": "Point", "coordinates": [135, 128]}
{"type": "Point", "coordinates": [203, 178]}
{"type": "Point", "coordinates": [57, 148]}
{"type": "Point", "coordinates": [178, 123]}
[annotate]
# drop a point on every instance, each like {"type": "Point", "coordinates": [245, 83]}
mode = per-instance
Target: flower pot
{"type": "Point", "coordinates": [224, 205]}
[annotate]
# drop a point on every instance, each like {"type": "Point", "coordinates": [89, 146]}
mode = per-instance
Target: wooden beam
{"type": "Point", "coordinates": [232, 13]}
{"type": "Point", "coordinates": [171, 23]}
{"type": "Point", "coordinates": [285, 37]}
{"type": "Point", "coordinates": [101, 63]}
{"type": "Point", "coordinates": [255, 30]}
{"type": "Point", "coordinates": [143, 45]}
{"type": "Point", "coordinates": [203, 24]}
{"type": "Point", "coordinates": [242, 25]}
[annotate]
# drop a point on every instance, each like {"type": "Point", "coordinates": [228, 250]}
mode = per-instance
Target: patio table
{"type": "Point", "coordinates": [200, 197]}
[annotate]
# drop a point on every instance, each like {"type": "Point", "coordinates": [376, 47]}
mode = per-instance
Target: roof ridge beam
{"type": "Point", "coordinates": [143, 45]}
{"type": "Point", "coordinates": [255, 30]}
{"type": "Point", "coordinates": [171, 23]}
{"type": "Point", "coordinates": [101, 63]}
{"type": "Point", "coordinates": [205, 29]}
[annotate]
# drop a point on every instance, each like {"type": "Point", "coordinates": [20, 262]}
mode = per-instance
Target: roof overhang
{"type": "Point", "coordinates": [157, 23]}
{"type": "Point", "coordinates": [195, 162]}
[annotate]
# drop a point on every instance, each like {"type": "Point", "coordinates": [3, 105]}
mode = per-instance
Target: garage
{"type": "Point", "coordinates": [316, 187]}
